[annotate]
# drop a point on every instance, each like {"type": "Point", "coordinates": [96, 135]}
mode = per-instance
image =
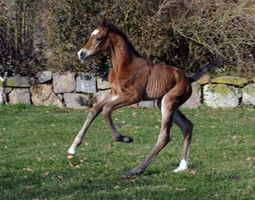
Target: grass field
{"type": "Point", "coordinates": [34, 143]}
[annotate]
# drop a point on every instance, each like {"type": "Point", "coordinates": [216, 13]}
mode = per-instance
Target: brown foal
{"type": "Point", "coordinates": [134, 79]}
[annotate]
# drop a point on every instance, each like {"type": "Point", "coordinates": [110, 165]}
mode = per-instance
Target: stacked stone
{"type": "Point", "coordinates": [64, 89]}
{"type": "Point", "coordinates": [83, 90]}
{"type": "Point", "coordinates": [222, 92]}
{"type": "Point", "coordinates": [229, 92]}
{"type": "Point", "coordinates": [17, 89]}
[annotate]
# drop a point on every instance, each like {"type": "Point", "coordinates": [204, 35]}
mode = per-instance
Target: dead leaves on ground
{"type": "Point", "coordinates": [74, 164]}
{"type": "Point", "coordinates": [28, 169]}
{"type": "Point", "coordinates": [45, 174]}
{"type": "Point", "coordinates": [180, 189]}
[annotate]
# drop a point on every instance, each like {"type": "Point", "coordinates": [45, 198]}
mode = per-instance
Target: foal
{"type": "Point", "coordinates": [134, 79]}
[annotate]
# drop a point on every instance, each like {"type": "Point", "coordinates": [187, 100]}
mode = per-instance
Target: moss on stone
{"type": "Point", "coordinates": [249, 89]}
{"type": "Point", "coordinates": [24, 81]}
{"type": "Point", "coordinates": [219, 88]}
{"type": "Point", "coordinates": [231, 80]}
{"type": "Point", "coordinates": [196, 89]}
{"type": "Point", "coordinates": [219, 95]}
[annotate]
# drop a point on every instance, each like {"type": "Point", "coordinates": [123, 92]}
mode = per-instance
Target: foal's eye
{"type": "Point", "coordinates": [100, 39]}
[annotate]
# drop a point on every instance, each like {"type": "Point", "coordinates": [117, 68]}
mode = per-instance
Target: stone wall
{"type": "Point", "coordinates": [82, 90]}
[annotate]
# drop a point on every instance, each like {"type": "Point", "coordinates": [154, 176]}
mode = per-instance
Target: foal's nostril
{"type": "Point", "coordinates": [80, 54]}
{"type": "Point", "coordinates": [83, 54]}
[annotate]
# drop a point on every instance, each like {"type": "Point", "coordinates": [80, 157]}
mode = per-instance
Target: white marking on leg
{"type": "Point", "coordinates": [94, 32]}
{"type": "Point", "coordinates": [72, 150]}
{"type": "Point", "coordinates": [183, 166]}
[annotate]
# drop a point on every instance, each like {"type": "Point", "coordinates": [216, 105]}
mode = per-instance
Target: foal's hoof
{"type": "Point", "coordinates": [70, 156]}
{"type": "Point", "coordinates": [133, 172]}
{"type": "Point", "coordinates": [127, 139]}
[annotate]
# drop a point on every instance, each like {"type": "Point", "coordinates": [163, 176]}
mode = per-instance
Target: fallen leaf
{"type": "Point", "coordinates": [83, 160]}
{"type": "Point", "coordinates": [192, 172]}
{"type": "Point", "coordinates": [45, 174]}
{"type": "Point", "coordinates": [28, 169]}
{"type": "Point", "coordinates": [126, 177]}
{"type": "Point", "coordinates": [116, 187]}
{"type": "Point", "coordinates": [72, 164]}
{"type": "Point", "coordinates": [135, 180]}
{"type": "Point", "coordinates": [180, 189]}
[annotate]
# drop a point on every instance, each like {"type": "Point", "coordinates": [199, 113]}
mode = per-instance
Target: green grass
{"type": "Point", "coordinates": [34, 143]}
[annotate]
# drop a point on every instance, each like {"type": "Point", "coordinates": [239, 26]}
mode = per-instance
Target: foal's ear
{"type": "Point", "coordinates": [104, 23]}
{"type": "Point", "coordinates": [96, 22]}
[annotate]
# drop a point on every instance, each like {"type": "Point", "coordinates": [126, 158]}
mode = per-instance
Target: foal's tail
{"type": "Point", "coordinates": [209, 67]}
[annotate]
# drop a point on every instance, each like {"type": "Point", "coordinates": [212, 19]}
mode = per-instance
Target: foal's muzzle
{"type": "Point", "coordinates": [83, 55]}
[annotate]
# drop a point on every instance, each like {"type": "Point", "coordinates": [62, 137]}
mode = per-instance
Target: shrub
{"type": "Point", "coordinates": [184, 33]}
{"type": "Point", "coordinates": [18, 25]}
{"type": "Point", "coordinates": [222, 28]}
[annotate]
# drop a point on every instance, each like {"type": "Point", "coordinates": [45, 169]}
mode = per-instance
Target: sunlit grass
{"type": "Point", "coordinates": [34, 143]}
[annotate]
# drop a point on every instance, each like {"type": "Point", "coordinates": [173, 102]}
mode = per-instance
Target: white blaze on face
{"type": "Point", "coordinates": [94, 32]}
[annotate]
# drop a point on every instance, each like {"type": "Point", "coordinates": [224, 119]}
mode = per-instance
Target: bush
{"type": "Point", "coordinates": [185, 33]}
{"type": "Point", "coordinates": [224, 28]}
{"type": "Point", "coordinates": [18, 25]}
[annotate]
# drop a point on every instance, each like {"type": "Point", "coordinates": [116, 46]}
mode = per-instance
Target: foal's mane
{"type": "Point", "coordinates": [124, 36]}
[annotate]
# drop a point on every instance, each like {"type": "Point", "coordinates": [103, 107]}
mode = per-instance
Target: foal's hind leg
{"type": "Point", "coordinates": [94, 111]}
{"type": "Point", "coordinates": [121, 101]}
{"type": "Point", "coordinates": [168, 108]}
{"type": "Point", "coordinates": [186, 127]}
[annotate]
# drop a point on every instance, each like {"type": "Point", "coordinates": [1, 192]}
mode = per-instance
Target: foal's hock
{"type": "Point", "coordinates": [134, 79]}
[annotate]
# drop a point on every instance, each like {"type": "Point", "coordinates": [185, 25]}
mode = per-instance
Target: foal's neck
{"type": "Point", "coordinates": [122, 52]}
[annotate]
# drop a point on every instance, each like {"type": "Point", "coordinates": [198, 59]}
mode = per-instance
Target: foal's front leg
{"type": "Point", "coordinates": [95, 110]}
{"type": "Point", "coordinates": [121, 101]}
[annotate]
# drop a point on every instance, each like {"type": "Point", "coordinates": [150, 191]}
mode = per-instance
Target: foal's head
{"type": "Point", "coordinates": [99, 41]}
